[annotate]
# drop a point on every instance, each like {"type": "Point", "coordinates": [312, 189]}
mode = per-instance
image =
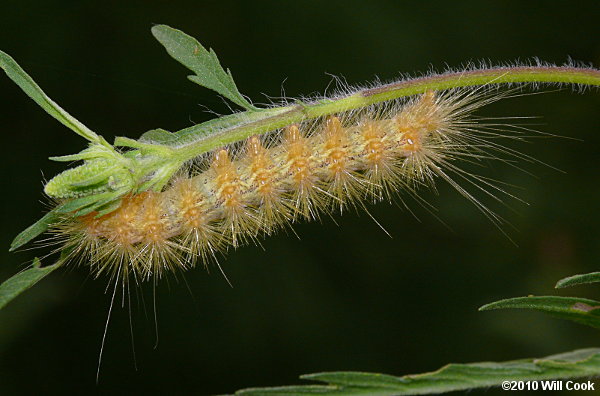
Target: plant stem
{"type": "Point", "coordinates": [304, 111]}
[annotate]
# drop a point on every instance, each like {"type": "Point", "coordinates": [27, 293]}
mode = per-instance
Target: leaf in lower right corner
{"type": "Point", "coordinates": [580, 310]}
{"type": "Point", "coordinates": [580, 279]}
{"type": "Point", "coordinates": [453, 377]}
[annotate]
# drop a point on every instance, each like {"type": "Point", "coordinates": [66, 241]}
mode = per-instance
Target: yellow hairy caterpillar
{"type": "Point", "coordinates": [143, 208]}
{"type": "Point", "coordinates": [269, 181]}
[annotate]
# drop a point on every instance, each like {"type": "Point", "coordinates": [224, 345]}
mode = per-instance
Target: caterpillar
{"type": "Point", "coordinates": [167, 201]}
{"type": "Point", "coordinates": [299, 172]}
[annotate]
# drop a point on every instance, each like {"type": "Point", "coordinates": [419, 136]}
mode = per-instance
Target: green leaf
{"type": "Point", "coordinates": [580, 310]}
{"type": "Point", "coordinates": [16, 285]}
{"type": "Point", "coordinates": [453, 377]}
{"type": "Point", "coordinates": [209, 72]}
{"type": "Point", "coordinates": [159, 136]}
{"type": "Point", "coordinates": [581, 279]}
{"type": "Point", "coordinates": [209, 128]}
{"type": "Point", "coordinates": [26, 83]}
{"type": "Point", "coordinates": [35, 229]}
{"type": "Point", "coordinates": [89, 203]}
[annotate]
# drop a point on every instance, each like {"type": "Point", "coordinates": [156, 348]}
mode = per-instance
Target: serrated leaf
{"type": "Point", "coordinates": [35, 229]}
{"type": "Point", "coordinates": [209, 72]}
{"type": "Point", "coordinates": [12, 287]}
{"type": "Point", "coordinates": [581, 279]}
{"type": "Point", "coordinates": [453, 377]}
{"type": "Point", "coordinates": [26, 83]}
{"type": "Point", "coordinates": [580, 310]}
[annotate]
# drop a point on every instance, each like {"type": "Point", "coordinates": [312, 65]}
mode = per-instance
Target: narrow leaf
{"type": "Point", "coordinates": [209, 128]}
{"type": "Point", "coordinates": [581, 279]}
{"type": "Point", "coordinates": [159, 136]}
{"type": "Point", "coordinates": [209, 72]}
{"type": "Point", "coordinates": [26, 83]}
{"type": "Point", "coordinates": [89, 202]}
{"type": "Point", "coordinates": [453, 377]}
{"type": "Point", "coordinates": [16, 285]}
{"type": "Point", "coordinates": [580, 310]}
{"type": "Point", "coordinates": [35, 229]}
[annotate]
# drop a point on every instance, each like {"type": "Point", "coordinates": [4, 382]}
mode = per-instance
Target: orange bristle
{"type": "Point", "coordinates": [262, 178]}
{"type": "Point", "coordinates": [238, 220]}
{"type": "Point", "coordinates": [300, 166]}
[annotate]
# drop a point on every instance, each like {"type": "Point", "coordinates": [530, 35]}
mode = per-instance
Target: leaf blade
{"type": "Point", "coordinates": [30, 87]}
{"type": "Point", "coordinates": [14, 286]}
{"type": "Point", "coordinates": [452, 377]}
{"type": "Point", "coordinates": [581, 279]}
{"type": "Point", "coordinates": [209, 72]}
{"type": "Point", "coordinates": [35, 229]}
{"type": "Point", "coordinates": [580, 310]}
{"type": "Point", "coordinates": [209, 128]}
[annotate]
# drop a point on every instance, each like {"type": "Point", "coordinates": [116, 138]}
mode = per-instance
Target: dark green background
{"type": "Point", "coordinates": [344, 296]}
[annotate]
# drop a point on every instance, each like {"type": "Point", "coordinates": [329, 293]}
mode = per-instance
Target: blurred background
{"type": "Point", "coordinates": [344, 295]}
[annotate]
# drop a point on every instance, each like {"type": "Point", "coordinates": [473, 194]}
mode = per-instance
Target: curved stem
{"type": "Point", "coordinates": [300, 112]}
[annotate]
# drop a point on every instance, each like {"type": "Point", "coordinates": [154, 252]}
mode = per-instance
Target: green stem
{"type": "Point", "coordinates": [301, 112]}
